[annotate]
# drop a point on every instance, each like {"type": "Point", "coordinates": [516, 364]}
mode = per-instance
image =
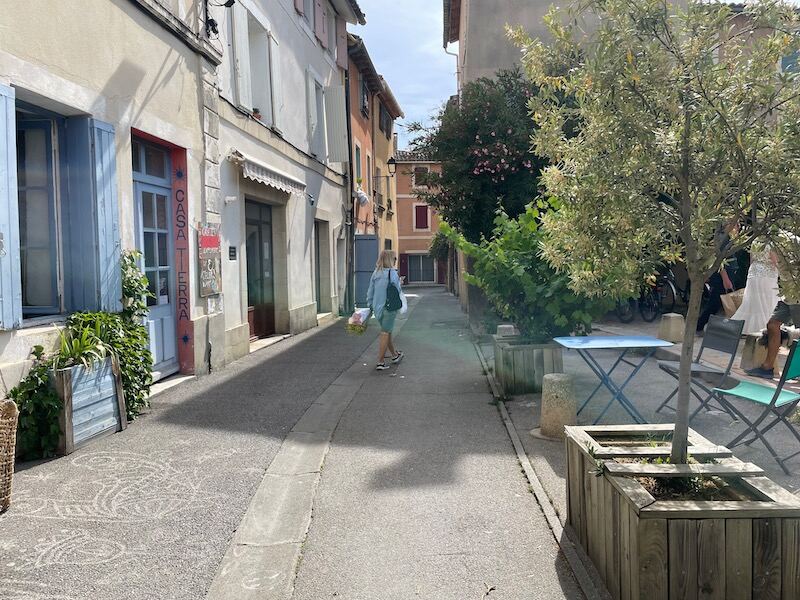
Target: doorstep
{"type": "Point", "coordinates": [325, 318]}
{"type": "Point", "coordinates": [266, 342]}
{"type": "Point", "coordinates": [170, 382]}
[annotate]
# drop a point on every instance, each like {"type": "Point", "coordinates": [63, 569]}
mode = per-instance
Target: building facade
{"type": "Point", "coordinates": [212, 139]}
{"type": "Point", "coordinates": [373, 111]}
{"type": "Point", "coordinates": [417, 222]}
{"type": "Point", "coordinates": [103, 151]}
{"type": "Point", "coordinates": [480, 30]}
{"type": "Point", "coordinates": [284, 155]}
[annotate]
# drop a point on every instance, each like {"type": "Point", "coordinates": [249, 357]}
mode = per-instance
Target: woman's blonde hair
{"type": "Point", "coordinates": [385, 260]}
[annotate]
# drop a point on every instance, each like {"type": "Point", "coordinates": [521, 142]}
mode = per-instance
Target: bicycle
{"type": "Point", "coordinates": [657, 299]}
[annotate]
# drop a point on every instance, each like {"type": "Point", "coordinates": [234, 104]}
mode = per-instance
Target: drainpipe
{"type": "Point", "coordinates": [351, 240]}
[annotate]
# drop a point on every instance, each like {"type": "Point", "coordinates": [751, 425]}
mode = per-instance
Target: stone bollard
{"type": "Point", "coordinates": [671, 327]}
{"type": "Point", "coordinates": [753, 353]}
{"type": "Point", "coordinates": [558, 405]}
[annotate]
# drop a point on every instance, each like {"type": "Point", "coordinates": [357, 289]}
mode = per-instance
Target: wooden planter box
{"type": "Point", "coordinates": [520, 365]}
{"type": "Point", "coordinates": [658, 550]}
{"type": "Point", "coordinates": [94, 403]}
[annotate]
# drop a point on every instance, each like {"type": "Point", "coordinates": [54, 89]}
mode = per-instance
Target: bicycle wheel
{"type": "Point", "coordinates": [666, 290]}
{"type": "Point", "coordinates": [650, 305]}
{"type": "Point", "coordinates": [625, 311]}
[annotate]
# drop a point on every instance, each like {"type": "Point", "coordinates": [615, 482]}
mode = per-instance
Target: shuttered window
{"type": "Point", "coordinates": [60, 227]}
{"type": "Point", "coordinates": [421, 221]}
{"type": "Point", "coordinates": [10, 283]}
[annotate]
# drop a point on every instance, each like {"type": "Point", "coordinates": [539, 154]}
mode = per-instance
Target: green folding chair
{"type": "Point", "coordinates": [777, 402]}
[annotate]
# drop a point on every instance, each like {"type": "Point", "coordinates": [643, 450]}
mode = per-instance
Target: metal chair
{"type": "Point", "coordinates": [776, 402]}
{"type": "Point", "coordinates": [721, 335]}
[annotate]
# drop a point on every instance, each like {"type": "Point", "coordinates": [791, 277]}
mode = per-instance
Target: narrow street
{"type": "Point", "coordinates": [420, 493]}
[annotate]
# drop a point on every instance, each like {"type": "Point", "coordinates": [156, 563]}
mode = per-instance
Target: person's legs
{"type": "Point", "coordinates": [384, 342]}
{"type": "Point", "coordinates": [390, 346]}
{"type": "Point", "coordinates": [782, 314]}
{"type": "Point", "coordinates": [714, 301]}
{"type": "Point", "coordinates": [773, 344]}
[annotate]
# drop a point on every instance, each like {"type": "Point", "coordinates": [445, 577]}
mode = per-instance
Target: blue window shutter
{"type": "Point", "coordinates": [104, 155]}
{"type": "Point", "coordinates": [90, 216]}
{"type": "Point", "coordinates": [10, 279]}
{"type": "Point", "coordinates": [78, 219]}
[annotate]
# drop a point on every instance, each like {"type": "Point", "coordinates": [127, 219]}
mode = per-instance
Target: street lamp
{"type": "Point", "coordinates": [392, 164]}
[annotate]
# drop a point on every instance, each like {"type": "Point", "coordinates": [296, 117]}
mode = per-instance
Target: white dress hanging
{"type": "Point", "coordinates": [760, 293]}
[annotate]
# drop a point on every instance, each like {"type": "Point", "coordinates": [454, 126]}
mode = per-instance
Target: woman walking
{"type": "Point", "coordinates": [383, 302]}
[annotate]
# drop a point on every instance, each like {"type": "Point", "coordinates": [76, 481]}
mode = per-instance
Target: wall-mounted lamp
{"type": "Point", "coordinates": [311, 199]}
{"type": "Point", "coordinates": [392, 164]}
{"type": "Point", "coordinates": [212, 27]}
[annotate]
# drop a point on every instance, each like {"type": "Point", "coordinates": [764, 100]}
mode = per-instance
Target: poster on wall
{"type": "Point", "coordinates": [210, 259]}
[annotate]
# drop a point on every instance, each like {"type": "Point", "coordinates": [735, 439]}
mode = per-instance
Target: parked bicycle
{"type": "Point", "coordinates": [657, 299]}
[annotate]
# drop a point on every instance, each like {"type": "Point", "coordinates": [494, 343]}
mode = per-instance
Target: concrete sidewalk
{"type": "Point", "coordinates": [148, 513]}
{"type": "Point", "coordinates": [421, 494]}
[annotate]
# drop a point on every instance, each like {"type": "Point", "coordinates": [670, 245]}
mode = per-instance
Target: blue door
{"type": "Point", "coordinates": [155, 244]}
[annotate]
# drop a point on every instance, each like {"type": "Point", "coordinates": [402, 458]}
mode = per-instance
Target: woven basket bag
{"type": "Point", "coordinates": [8, 437]}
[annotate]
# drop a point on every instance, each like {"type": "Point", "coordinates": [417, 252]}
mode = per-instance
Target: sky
{"type": "Point", "coordinates": [404, 41]}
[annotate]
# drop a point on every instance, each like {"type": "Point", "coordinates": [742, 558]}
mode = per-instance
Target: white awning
{"type": "Point", "coordinates": [256, 171]}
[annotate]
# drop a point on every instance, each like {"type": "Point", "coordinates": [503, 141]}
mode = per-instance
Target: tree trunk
{"type": "Point", "coordinates": [679, 453]}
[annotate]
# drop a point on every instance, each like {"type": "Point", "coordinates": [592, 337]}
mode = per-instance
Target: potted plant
{"type": "Point", "coordinates": [653, 529]}
{"type": "Point", "coordinates": [524, 289]}
{"type": "Point", "coordinates": [686, 127]}
{"type": "Point", "coordinates": [86, 376]}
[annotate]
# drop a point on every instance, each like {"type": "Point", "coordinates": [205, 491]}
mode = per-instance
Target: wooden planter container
{"type": "Point", "coordinates": [658, 550]}
{"type": "Point", "coordinates": [9, 416]}
{"type": "Point", "coordinates": [520, 365]}
{"type": "Point", "coordinates": [94, 403]}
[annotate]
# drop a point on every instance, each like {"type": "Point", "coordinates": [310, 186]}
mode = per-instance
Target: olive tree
{"type": "Point", "coordinates": [688, 146]}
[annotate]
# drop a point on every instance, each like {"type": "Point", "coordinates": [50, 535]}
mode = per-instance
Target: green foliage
{"type": "Point", "coordinates": [134, 287]}
{"type": "Point", "coordinates": [88, 338]}
{"type": "Point", "coordinates": [79, 346]}
{"type": "Point", "coordinates": [440, 246]}
{"type": "Point", "coordinates": [688, 147]}
{"type": "Point", "coordinates": [483, 143]}
{"type": "Point", "coordinates": [39, 406]}
{"type": "Point", "coordinates": [128, 341]}
{"type": "Point", "coordinates": [521, 285]}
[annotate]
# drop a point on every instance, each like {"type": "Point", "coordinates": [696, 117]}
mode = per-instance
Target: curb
{"type": "Point", "coordinates": [578, 561]}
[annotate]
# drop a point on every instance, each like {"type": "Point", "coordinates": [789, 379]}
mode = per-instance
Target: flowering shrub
{"type": "Point", "coordinates": [483, 143]}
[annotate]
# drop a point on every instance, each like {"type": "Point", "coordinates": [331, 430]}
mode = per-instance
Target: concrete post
{"type": "Point", "coordinates": [559, 407]}
{"type": "Point", "coordinates": [671, 327]}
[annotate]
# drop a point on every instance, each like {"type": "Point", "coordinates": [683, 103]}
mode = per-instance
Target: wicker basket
{"type": "Point", "coordinates": [8, 437]}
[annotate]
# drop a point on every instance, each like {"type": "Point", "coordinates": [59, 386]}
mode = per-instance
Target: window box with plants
{"type": "Point", "coordinates": [97, 379]}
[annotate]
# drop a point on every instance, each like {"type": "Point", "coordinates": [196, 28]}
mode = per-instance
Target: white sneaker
{"type": "Point", "coordinates": [397, 357]}
{"type": "Point", "coordinates": [381, 366]}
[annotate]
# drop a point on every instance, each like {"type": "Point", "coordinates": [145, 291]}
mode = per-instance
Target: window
{"type": "Point", "coordinates": [369, 173]}
{"type": "Point", "coordinates": [62, 229]}
{"type": "Point", "coordinates": [253, 63]}
{"type": "Point", "coordinates": [38, 216]}
{"type": "Point", "coordinates": [331, 33]}
{"type": "Point", "coordinates": [419, 177]}
{"type": "Point", "coordinates": [420, 269]}
{"type": "Point", "coordinates": [308, 11]}
{"type": "Point", "coordinates": [357, 160]}
{"type": "Point", "coordinates": [316, 117]}
{"type": "Point", "coordinates": [387, 244]}
{"type": "Point", "coordinates": [421, 217]}
{"type": "Point", "coordinates": [364, 96]}
{"type": "Point", "coordinates": [385, 122]}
